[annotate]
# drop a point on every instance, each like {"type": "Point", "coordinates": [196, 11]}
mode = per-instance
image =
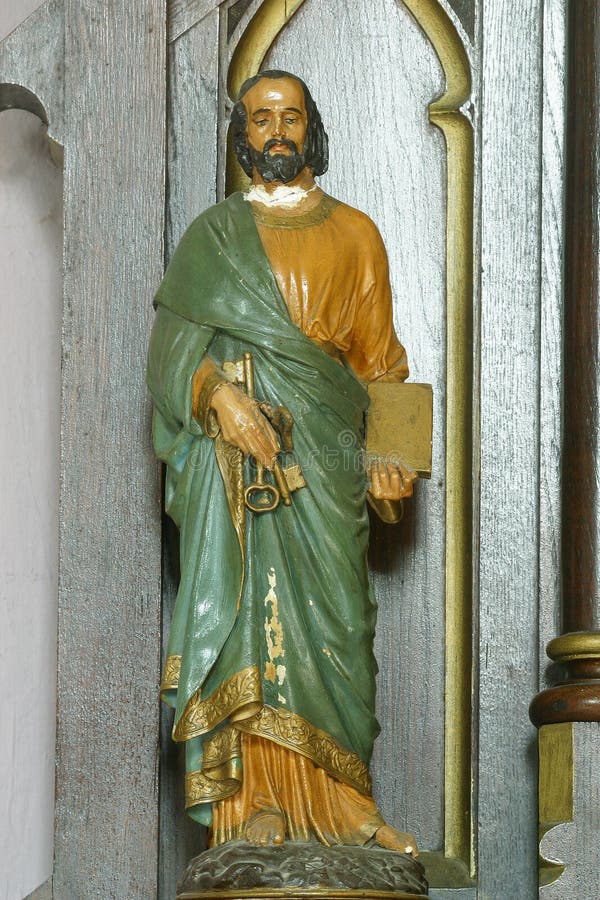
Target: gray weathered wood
{"type": "Point", "coordinates": [109, 594]}
{"type": "Point", "coordinates": [551, 350]}
{"type": "Point", "coordinates": [575, 844]}
{"type": "Point", "coordinates": [404, 192]}
{"type": "Point", "coordinates": [185, 14]}
{"type": "Point", "coordinates": [191, 167]}
{"type": "Point", "coordinates": [32, 67]}
{"type": "Point", "coordinates": [466, 12]}
{"type": "Point", "coordinates": [192, 126]}
{"type": "Point", "coordinates": [453, 893]}
{"type": "Point", "coordinates": [509, 416]}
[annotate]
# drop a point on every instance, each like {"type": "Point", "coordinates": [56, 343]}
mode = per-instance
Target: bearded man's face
{"type": "Point", "coordinates": [277, 122]}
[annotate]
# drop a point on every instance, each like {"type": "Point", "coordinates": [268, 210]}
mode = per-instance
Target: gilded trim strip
{"type": "Point", "coordinates": [290, 730]}
{"type": "Point", "coordinates": [446, 114]}
{"type": "Point", "coordinates": [201, 788]}
{"type": "Point", "coordinates": [222, 747]}
{"type": "Point", "coordinates": [200, 716]}
{"type": "Point", "coordinates": [170, 678]}
{"type": "Point", "coordinates": [239, 698]}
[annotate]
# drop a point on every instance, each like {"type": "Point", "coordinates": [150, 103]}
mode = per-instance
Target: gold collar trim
{"type": "Point", "coordinates": [322, 211]}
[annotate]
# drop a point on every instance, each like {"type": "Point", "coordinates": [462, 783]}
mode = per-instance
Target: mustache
{"type": "Point", "coordinates": [274, 142]}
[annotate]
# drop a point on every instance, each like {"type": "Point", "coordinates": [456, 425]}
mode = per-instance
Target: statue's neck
{"type": "Point", "coordinates": [294, 198]}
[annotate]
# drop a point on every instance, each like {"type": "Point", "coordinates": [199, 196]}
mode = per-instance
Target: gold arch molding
{"type": "Point", "coordinates": [446, 112]}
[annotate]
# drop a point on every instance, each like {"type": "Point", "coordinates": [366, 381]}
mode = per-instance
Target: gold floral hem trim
{"type": "Point", "coordinates": [222, 747]}
{"type": "Point", "coordinates": [170, 678]}
{"type": "Point", "coordinates": [203, 788]}
{"type": "Point", "coordinates": [290, 730]}
{"type": "Point", "coordinates": [200, 716]}
{"type": "Point", "coordinates": [240, 700]}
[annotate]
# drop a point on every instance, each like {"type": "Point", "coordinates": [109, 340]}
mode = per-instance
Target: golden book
{"type": "Point", "coordinates": [400, 424]}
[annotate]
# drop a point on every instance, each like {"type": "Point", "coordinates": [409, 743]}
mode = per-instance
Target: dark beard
{"type": "Point", "coordinates": [279, 166]}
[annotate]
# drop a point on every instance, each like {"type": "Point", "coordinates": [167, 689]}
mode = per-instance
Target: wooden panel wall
{"type": "Point", "coordinates": [511, 141]}
{"type": "Point", "coordinates": [109, 593]}
{"type": "Point", "coordinates": [192, 121]}
{"type": "Point", "coordinates": [107, 811]}
{"type": "Point", "coordinates": [551, 318]}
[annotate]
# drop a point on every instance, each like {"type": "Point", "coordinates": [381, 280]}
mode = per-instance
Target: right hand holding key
{"type": "Point", "coordinates": [244, 425]}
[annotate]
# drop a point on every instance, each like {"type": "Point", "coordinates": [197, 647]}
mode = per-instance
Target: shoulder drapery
{"type": "Point", "coordinates": [293, 660]}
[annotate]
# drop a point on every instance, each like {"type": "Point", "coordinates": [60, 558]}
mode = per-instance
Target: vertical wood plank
{"type": "Point", "coordinates": [109, 590]}
{"type": "Point", "coordinates": [192, 126]}
{"type": "Point", "coordinates": [191, 176]}
{"type": "Point", "coordinates": [509, 511]}
{"type": "Point", "coordinates": [581, 444]}
{"type": "Point", "coordinates": [551, 349]}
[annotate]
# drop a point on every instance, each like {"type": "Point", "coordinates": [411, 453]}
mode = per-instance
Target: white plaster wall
{"type": "Point", "coordinates": [30, 321]}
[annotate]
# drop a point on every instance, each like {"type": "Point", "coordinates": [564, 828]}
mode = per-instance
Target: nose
{"type": "Point", "coordinates": [279, 129]}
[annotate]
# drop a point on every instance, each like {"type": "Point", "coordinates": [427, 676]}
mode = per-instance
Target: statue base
{"type": "Point", "coordinates": [238, 870]}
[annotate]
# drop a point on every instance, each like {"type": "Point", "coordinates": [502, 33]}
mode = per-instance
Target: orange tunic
{"type": "Point", "coordinates": [313, 804]}
{"type": "Point", "coordinates": [332, 270]}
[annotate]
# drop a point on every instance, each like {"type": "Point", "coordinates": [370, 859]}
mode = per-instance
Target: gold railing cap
{"type": "Point", "coordinates": [574, 645]}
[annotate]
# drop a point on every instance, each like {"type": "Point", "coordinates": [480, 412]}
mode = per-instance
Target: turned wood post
{"type": "Point", "coordinates": [576, 694]}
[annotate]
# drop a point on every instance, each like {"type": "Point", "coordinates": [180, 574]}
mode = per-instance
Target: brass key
{"type": "Point", "coordinates": [262, 495]}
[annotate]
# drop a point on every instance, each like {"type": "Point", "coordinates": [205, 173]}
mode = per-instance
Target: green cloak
{"type": "Point", "coordinates": [290, 658]}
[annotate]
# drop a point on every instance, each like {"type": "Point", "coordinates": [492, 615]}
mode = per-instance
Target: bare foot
{"type": "Point", "coordinates": [266, 827]}
{"type": "Point", "coordinates": [400, 841]}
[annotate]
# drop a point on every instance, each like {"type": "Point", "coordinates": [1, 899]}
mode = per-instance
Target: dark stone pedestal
{"type": "Point", "coordinates": [237, 870]}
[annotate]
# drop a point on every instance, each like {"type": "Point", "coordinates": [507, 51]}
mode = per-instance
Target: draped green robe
{"type": "Point", "coordinates": [290, 658]}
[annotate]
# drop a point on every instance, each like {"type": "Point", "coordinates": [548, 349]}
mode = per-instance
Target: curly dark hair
{"type": "Point", "coordinates": [316, 143]}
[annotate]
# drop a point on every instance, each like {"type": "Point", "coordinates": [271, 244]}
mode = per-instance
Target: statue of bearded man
{"type": "Point", "coordinates": [270, 664]}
